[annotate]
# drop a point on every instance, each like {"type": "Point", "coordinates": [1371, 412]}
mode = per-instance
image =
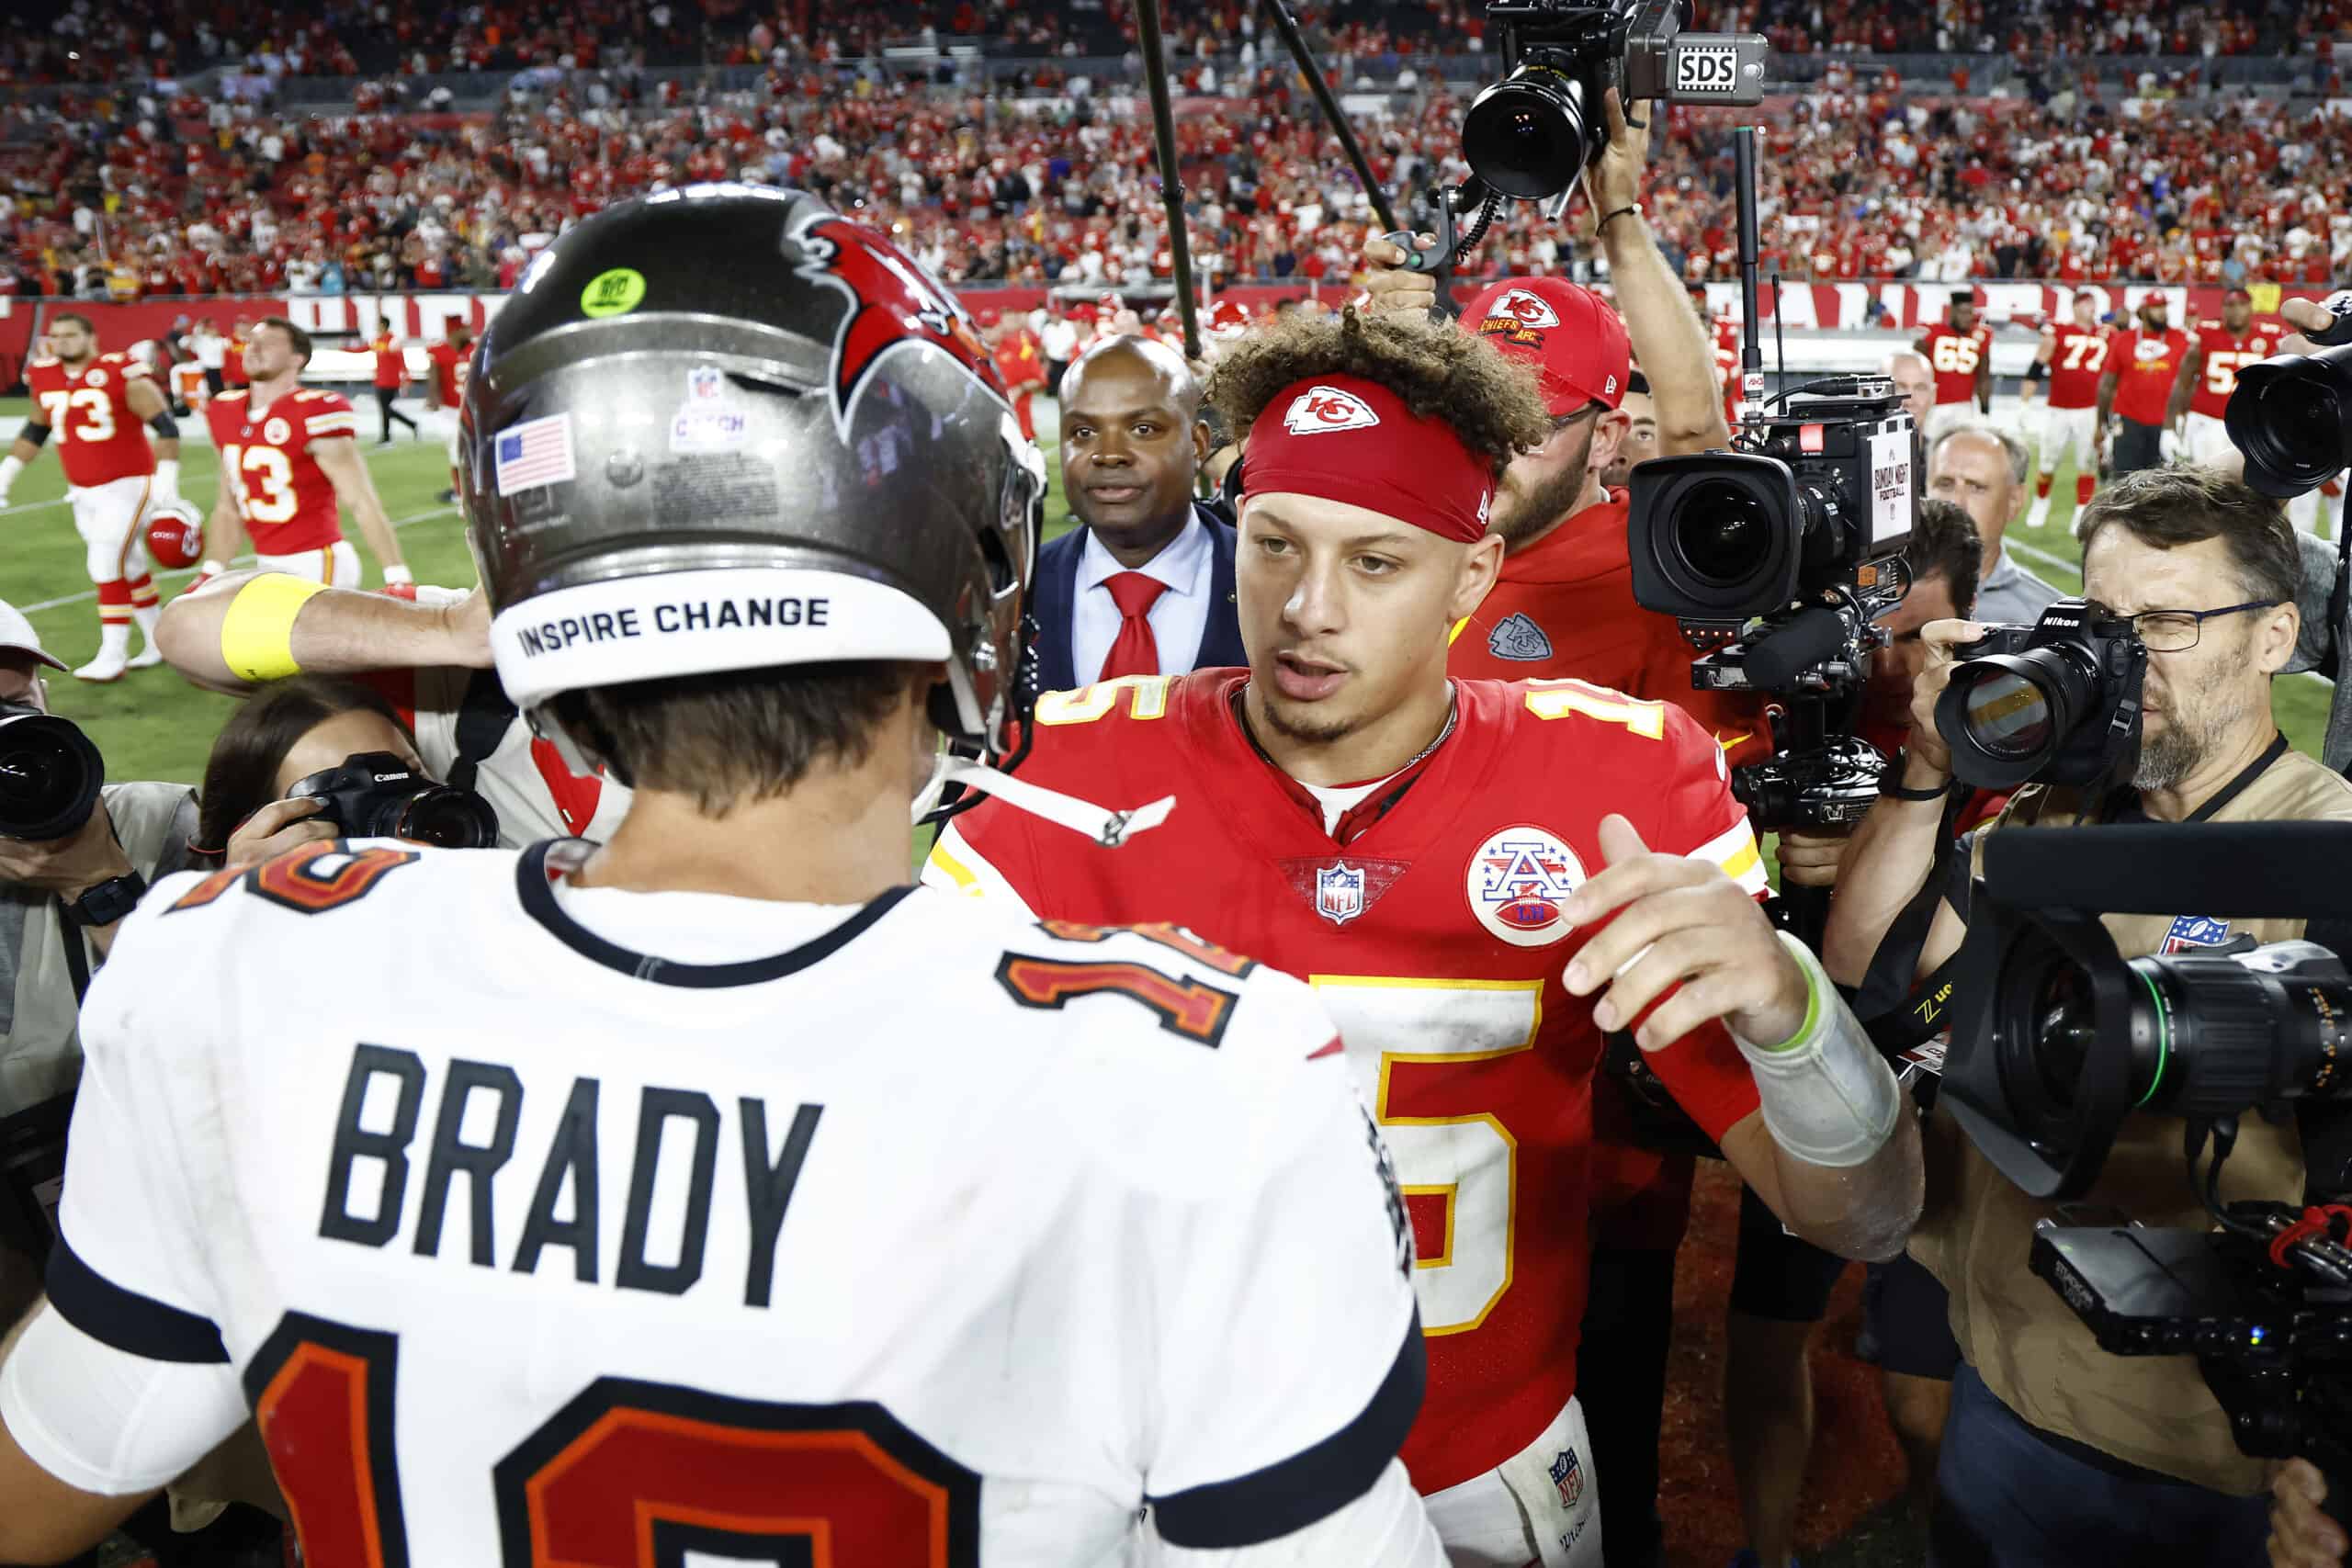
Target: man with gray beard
{"type": "Point", "coordinates": [2055, 1453]}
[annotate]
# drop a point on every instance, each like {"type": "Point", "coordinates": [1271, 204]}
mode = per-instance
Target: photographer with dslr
{"type": "Point", "coordinates": [2055, 1451]}
{"type": "Point", "coordinates": [429, 658]}
{"type": "Point", "coordinates": [76, 855]}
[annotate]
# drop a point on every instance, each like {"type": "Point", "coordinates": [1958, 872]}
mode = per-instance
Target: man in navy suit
{"type": "Point", "coordinates": [1146, 586]}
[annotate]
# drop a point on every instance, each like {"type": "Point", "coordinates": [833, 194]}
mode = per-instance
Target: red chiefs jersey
{"type": "Point", "coordinates": [1019, 361]}
{"type": "Point", "coordinates": [1955, 356]}
{"type": "Point", "coordinates": [233, 363]}
{"type": "Point", "coordinates": [1434, 936]}
{"type": "Point", "coordinates": [2227, 353]}
{"type": "Point", "coordinates": [1564, 607]}
{"type": "Point", "coordinates": [448, 363]}
{"type": "Point", "coordinates": [98, 435]}
{"type": "Point", "coordinates": [2077, 360]}
{"type": "Point", "coordinates": [285, 499]}
{"type": "Point", "coordinates": [2145, 367]}
{"type": "Point", "coordinates": [391, 369]}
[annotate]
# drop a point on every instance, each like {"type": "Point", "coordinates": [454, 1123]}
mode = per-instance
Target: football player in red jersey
{"type": "Point", "coordinates": [391, 380]}
{"type": "Point", "coordinates": [1432, 852]}
{"type": "Point", "coordinates": [2209, 374]}
{"type": "Point", "coordinates": [1962, 354]}
{"type": "Point", "coordinates": [445, 390]}
{"type": "Point", "coordinates": [94, 404]}
{"type": "Point", "coordinates": [289, 455]}
{"type": "Point", "coordinates": [2073, 356]}
{"type": "Point", "coordinates": [2141, 367]}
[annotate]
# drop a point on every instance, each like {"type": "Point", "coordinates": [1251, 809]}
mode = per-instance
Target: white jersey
{"type": "Point", "coordinates": [946, 1239]}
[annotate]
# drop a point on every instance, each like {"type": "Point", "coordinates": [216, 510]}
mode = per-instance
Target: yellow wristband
{"type": "Point", "coordinates": [257, 636]}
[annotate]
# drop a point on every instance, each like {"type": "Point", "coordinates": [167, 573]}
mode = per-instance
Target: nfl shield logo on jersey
{"type": "Point", "coordinates": [1338, 893]}
{"type": "Point", "coordinates": [1567, 1475]}
{"type": "Point", "coordinates": [1517, 882]}
{"type": "Point", "coordinates": [2195, 930]}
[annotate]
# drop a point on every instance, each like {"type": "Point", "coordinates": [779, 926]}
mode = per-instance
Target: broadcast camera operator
{"type": "Point", "coordinates": [2056, 1452]}
{"type": "Point", "coordinates": [71, 867]}
{"type": "Point", "coordinates": [430, 658]}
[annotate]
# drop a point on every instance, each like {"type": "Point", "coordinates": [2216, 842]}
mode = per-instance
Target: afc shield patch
{"type": "Point", "coordinates": [1519, 639]}
{"type": "Point", "coordinates": [2194, 930]}
{"type": "Point", "coordinates": [1517, 882]}
{"type": "Point", "coordinates": [1338, 892]}
{"type": "Point", "coordinates": [1567, 1475]}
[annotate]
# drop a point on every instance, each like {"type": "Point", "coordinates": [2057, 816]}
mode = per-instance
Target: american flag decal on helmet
{"type": "Point", "coordinates": [892, 301]}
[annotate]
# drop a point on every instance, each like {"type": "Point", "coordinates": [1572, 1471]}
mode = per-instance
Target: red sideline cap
{"type": "Point", "coordinates": [1571, 336]}
{"type": "Point", "coordinates": [2239, 293]}
{"type": "Point", "coordinates": [1345, 439]}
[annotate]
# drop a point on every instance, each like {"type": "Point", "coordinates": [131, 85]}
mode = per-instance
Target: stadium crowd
{"type": "Point", "coordinates": [185, 197]}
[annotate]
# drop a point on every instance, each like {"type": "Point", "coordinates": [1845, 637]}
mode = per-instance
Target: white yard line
{"type": "Point", "coordinates": [89, 594]}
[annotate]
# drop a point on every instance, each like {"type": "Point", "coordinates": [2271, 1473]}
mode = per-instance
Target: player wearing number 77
{"type": "Point", "coordinates": [710, 1195]}
{"type": "Point", "coordinates": [1477, 876]}
{"type": "Point", "coordinates": [289, 459]}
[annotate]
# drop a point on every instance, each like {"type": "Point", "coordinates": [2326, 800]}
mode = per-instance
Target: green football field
{"type": "Point", "coordinates": [152, 725]}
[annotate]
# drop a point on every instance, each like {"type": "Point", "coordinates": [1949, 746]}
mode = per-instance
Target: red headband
{"type": "Point", "coordinates": [1344, 438]}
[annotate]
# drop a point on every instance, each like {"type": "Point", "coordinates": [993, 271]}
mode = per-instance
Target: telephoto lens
{"type": "Point", "coordinates": [2058, 701]}
{"type": "Point", "coordinates": [1530, 134]}
{"type": "Point", "coordinates": [2291, 417]}
{"type": "Point", "coordinates": [2210, 1034]}
{"type": "Point", "coordinates": [50, 774]}
{"type": "Point", "coordinates": [445, 817]}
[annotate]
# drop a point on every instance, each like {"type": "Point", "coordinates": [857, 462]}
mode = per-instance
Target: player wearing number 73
{"type": "Point", "coordinates": [289, 459]}
{"type": "Point", "coordinates": [1479, 877]}
{"type": "Point", "coordinates": [710, 1195]}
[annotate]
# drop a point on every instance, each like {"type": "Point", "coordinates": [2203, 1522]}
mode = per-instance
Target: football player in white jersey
{"type": "Point", "coordinates": [713, 1194]}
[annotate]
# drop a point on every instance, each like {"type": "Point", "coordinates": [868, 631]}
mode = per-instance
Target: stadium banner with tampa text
{"type": "Point", "coordinates": [342, 324]}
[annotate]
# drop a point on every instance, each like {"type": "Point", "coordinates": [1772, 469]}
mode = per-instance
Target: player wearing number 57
{"type": "Point", "coordinates": [1479, 877]}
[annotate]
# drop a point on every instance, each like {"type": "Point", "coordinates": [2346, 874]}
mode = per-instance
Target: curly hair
{"type": "Point", "coordinates": [1490, 400]}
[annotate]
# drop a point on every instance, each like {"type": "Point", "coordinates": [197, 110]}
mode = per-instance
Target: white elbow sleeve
{"type": "Point", "coordinates": [1827, 1096]}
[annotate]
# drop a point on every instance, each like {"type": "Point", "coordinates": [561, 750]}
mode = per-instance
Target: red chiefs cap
{"type": "Point", "coordinates": [1570, 334]}
{"type": "Point", "coordinates": [2239, 293]}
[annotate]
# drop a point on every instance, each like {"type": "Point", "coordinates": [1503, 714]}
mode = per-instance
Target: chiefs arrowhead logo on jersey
{"type": "Point", "coordinates": [1320, 409]}
{"type": "Point", "coordinates": [2151, 348]}
{"type": "Point", "coordinates": [1517, 882]}
{"type": "Point", "coordinates": [893, 302]}
{"type": "Point", "coordinates": [1520, 316]}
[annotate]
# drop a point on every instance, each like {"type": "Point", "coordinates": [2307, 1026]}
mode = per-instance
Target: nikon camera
{"type": "Point", "coordinates": [2057, 702]}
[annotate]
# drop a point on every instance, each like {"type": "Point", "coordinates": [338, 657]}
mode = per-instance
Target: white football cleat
{"type": "Point", "coordinates": [2040, 516]}
{"type": "Point", "coordinates": [149, 657]}
{"type": "Point", "coordinates": [103, 668]}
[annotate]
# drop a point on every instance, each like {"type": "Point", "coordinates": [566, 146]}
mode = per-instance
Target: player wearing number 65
{"type": "Point", "coordinates": [1479, 877]}
{"type": "Point", "coordinates": [711, 1194]}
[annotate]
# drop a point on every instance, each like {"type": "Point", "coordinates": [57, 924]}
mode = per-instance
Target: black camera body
{"type": "Point", "coordinates": [376, 795]}
{"type": "Point", "coordinates": [1529, 135]}
{"type": "Point", "coordinates": [2057, 702]}
{"type": "Point", "coordinates": [1814, 506]}
{"type": "Point", "coordinates": [2061, 1039]}
{"type": "Point", "coordinates": [50, 774]}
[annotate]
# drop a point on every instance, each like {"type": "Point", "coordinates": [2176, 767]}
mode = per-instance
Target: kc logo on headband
{"type": "Point", "coordinates": [1320, 408]}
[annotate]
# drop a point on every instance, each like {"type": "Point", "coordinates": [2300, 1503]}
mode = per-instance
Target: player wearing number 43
{"type": "Point", "coordinates": [1478, 878]}
{"type": "Point", "coordinates": [712, 1194]}
{"type": "Point", "coordinates": [289, 459]}
{"type": "Point", "coordinates": [93, 404]}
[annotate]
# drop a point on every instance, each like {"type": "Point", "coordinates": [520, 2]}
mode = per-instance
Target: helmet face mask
{"type": "Point", "coordinates": [724, 429]}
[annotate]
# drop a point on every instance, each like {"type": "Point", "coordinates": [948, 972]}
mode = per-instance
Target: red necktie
{"type": "Point", "coordinates": [1136, 652]}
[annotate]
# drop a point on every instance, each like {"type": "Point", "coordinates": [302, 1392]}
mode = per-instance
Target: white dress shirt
{"type": "Point", "coordinates": [1178, 617]}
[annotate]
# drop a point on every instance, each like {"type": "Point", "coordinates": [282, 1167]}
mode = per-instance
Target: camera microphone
{"type": "Point", "coordinates": [1809, 637]}
{"type": "Point", "coordinates": [2139, 869]}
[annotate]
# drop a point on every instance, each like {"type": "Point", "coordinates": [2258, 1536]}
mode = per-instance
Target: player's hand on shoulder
{"type": "Point", "coordinates": [1675, 923]}
{"type": "Point", "coordinates": [280, 826]}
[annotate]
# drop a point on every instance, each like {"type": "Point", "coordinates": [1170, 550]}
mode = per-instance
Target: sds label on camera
{"type": "Point", "coordinates": [1706, 68]}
